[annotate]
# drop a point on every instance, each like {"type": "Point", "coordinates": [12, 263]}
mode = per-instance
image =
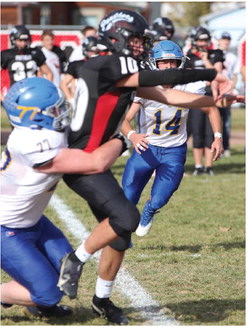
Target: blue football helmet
{"type": "Point", "coordinates": [37, 103]}
{"type": "Point", "coordinates": [166, 49]}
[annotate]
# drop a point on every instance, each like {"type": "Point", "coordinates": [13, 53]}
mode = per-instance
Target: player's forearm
{"type": "Point", "coordinates": [49, 76]}
{"type": "Point", "coordinates": [106, 155]}
{"type": "Point", "coordinates": [175, 76]}
{"type": "Point", "coordinates": [77, 161]}
{"type": "Point", "coordinates": [64, 87]}
{"type": "Point", "coordinates": [172, 76]}
{"type": "Point", "coordinates": [126, 127]}
{"type": "Point", "coordinates": [215, 118]}
{"type": "Point", "coordinates": [176, 97]}
{"type": "Point", "coordinates": [47, 72]}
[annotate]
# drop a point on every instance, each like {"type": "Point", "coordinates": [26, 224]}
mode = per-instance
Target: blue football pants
{"type": "Point", "coordinates": [31, 256]}
{"type": "Point", "coordinates": [169, 166]}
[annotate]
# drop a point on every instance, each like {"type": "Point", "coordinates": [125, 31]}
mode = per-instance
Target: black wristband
{"type": "Point", "coordinates": [175, 76]}
{"type": "Point", "coordinates": [123, 140]}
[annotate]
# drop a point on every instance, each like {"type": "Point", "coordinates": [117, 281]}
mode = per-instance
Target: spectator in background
{"type": "Point", "coordinates": [77, 52]}
{"type": "Point", "coordinates": [21, 60]}
{"type": "Point", "coordinates": [89, 49]}
{"type": "Point", "coordinates": [59, 52]}
{"type": "Point", "coordinates": [201, 56]}
{"type": "Point", "coordinates": [231, 68]}
{"type": "Point", "coordinates": [51, 52]}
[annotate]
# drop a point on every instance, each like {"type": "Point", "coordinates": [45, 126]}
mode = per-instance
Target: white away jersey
{"type": "Point", "coordinates": [25, 192]}
{"type": "Point", "coordinates": [165, 124]}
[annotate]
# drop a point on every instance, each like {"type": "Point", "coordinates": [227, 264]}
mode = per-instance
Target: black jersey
{"type": "Point", "coordinates": [100, 106]}
{"type": "Point", "coordinates": [195, 61]}
{"type": "Point", "coordinates": [22, 64]}
{"type": "Point", "coordinates": [74, 67]}
{"type": "Point", "coordinates": [62, 57]}
{"type": "Point", "coordinates": [213, 56]}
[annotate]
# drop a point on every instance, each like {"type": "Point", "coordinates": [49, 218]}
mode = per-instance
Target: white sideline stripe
{"type": "Point", "coordinates": [139, 298]}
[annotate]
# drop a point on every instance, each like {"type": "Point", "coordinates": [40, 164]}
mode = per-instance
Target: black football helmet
{"type": "Point", "coordinates": [90, 44]}
{"type": "Point", "coordinates": [19, 32]}
{"type": "Point", "coordinates": [200, 33]}
{"type": "Point", "coordinates": [163, 29]}
{"type": "Point", "coordinates": [121, 25]}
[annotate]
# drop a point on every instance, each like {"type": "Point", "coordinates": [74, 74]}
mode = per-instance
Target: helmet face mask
{"type": "Point", "coordinates": [37, 103]}
{"type": "Point", "coordinates": [20, 32]}
{"type": "Point", "coordinates": [166, 50]}
{"type": "Point", "coordinates": [119, 27]}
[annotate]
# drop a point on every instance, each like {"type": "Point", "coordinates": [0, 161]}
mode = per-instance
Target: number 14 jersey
{"type": "Point", "coordinates": [166, 125]}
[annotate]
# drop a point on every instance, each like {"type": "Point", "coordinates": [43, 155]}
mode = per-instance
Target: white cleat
{"type": "Point", "coordinates": [143, 230]}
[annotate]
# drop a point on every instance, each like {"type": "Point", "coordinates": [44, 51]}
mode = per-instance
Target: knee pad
{"type": "Point", "coordinates": [122, 243]}
{"type": "Point", "coordinates": [126, 219]}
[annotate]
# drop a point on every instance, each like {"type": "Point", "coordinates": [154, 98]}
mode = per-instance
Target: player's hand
{"type": "Point", "coordinates": [203, 55]}
{"type": "Point", "coordinates": [228, 99]}
{"type": "Point", "coordinates": [139, 141]}
{"type": "Point", "coordinates": [220, 86]}
{"type": "Point", "coordinates": [217, 148]}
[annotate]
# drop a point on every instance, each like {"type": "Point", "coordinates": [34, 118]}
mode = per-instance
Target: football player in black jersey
{"type": "Point", "coordinates": [21, 60]}
{"type": "Point", "coordinates": [202, 56]}
{"type": "Point", "coordinates": [104, 91]}
{"type": "Point", "coordinates": [163, 29]}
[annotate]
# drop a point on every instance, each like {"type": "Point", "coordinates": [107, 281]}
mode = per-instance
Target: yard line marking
{"type": "Point", "coordinates": [139, 298]}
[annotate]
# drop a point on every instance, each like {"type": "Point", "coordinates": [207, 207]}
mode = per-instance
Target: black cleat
{"type": "Point", "coordinates": [54, 311]}
{"type": "Point", "coordinates": [106, 309]}
{"type": "Point", "coordinates": [209, 171]}
{"type": "Point", "coordinates": [70, 272]}
{"type": "Point", "coordinates": [198, 171]}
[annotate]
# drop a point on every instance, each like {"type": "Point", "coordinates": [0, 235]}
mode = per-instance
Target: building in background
{"type": "Point", "coordinates": [231, 20]}
{"type": "Point", "coordinates": [64, 13]}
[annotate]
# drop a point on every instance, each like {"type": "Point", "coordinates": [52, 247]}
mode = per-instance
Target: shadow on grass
{"type": "Point", "coordinates": [194, 312]}
{"type": "Point", "coordinates": [221, 168]}
{"type": "Point", "coordinates": [81, 316]}
{"type": "Point", "coordinates": [201, 311]}
{"type": "Point", "coordinates": [212, 310]}
{"type": "Point", "coordinates": [197, 248]}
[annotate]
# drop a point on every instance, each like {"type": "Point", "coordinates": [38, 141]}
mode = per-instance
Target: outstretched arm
{"type": "Point", "coordinates": [184, 99]}
{"type": "Point", "coordinates": [178, 76]}
{"type": "Point", "coordinates": [77, 161]}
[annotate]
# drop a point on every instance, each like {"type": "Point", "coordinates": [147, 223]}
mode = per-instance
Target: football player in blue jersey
{"type": "Point", "coordinates": [31, 245]}
{"type": "Point", "coordinates": [162, 138]}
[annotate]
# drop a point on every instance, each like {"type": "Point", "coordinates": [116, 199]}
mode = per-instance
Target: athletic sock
{"type": "Point", "coordinates": [103, 288]}
{"type": "Point", "coordinates": [82, 254]}
{"type": "Point", "coordinates": [198, 166]}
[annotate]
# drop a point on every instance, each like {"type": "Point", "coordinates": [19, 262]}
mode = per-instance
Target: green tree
{"type": "Point", "coordinates": [188, 13]}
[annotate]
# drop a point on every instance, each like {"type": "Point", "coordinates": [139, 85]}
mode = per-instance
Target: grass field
{"type": "Point", "coordinates": [192, 262]}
